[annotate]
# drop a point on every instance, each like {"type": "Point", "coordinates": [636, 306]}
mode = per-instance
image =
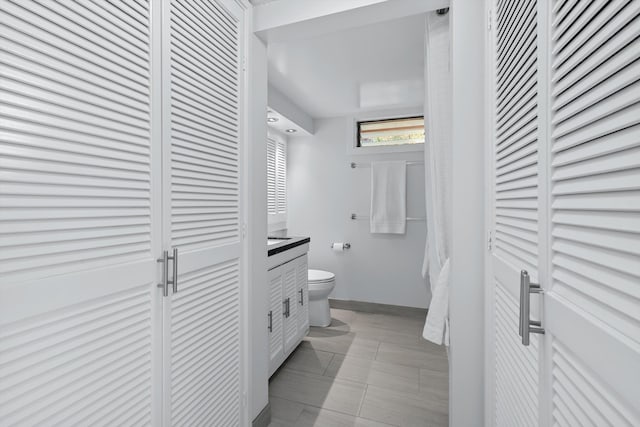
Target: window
{"type": "Point", "coordinates": [391, 132]}
{"type": "Point", "coordinates": [276, 182]}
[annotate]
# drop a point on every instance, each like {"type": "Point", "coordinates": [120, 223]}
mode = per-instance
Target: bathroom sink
{"type": "Point", "coordinates": [276, 240]}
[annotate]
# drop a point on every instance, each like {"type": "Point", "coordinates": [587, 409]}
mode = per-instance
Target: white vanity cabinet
{"type": "Point", "coordinates": [288, 316]}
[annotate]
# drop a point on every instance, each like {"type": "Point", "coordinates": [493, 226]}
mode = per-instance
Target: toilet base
{"type": "Point", "coordinates": [319, 313]}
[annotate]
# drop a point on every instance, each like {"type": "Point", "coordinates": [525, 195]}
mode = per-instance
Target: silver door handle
{"type": "Point", "coordinates": [270, 316]}
{"type": "Point", "coordinates": [174, 282]}
{"type": "Point", "coordinates": [301, 296]}
{"type": "Point", "coordinates": [286, 307]}
{"type": "Point", "coordinates": [526, 325]}
{"type": "Point", "coordinates": [165, 273]}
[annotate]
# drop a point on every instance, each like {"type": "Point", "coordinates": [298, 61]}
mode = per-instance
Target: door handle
{"type": "Point", "coordinates": [287, 306]}
{"type": "Point", "coordinates": [526, 325]}
{"type": "Point", "coordinates": [165, 273]}
{"type": "Point", "coordinates": [174, 282]}
{"type": "Point", "coordinates": [301, 297]}
{"type": "Point", "coordinates": [270, 316]}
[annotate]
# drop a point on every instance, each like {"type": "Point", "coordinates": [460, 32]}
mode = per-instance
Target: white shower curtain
{"type": "Point", "coordinates": [437, 158]}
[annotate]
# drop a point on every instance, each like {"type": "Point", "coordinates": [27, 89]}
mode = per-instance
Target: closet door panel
{"type": "Point", "coordinates": [290, 292]}
{"type": "Point", "coordinates": [202, 134]}
{"type": "Point", "coordinates": [78, 214]}
{"type": "Point", "coordinates": [276, 320]}
{"type": "Point", "coordinates": [515, 209]}
{"type": "Point", "coordinates": [595, 216]}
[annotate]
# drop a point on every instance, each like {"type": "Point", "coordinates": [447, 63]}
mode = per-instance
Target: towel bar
{"type": "Point", "coordinates": [368, 165]}
{"type": "Point", "coordinates": [366, 217]}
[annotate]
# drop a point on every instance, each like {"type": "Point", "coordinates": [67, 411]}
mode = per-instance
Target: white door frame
{"type": "Point", "coordinates": [489, 294]}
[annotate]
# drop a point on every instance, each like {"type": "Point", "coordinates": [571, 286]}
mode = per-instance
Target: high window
{"type": "Point", "coordinates": [400, 131]}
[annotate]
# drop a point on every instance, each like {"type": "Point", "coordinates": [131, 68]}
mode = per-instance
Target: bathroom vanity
{"type": "Point", "coordinates": [288, 315]}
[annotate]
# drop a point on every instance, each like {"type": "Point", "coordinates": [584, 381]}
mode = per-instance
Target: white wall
{"type": "Point", "coordinates": [323, 191]}
{"type": "Point", "coordinates": [466, 304]}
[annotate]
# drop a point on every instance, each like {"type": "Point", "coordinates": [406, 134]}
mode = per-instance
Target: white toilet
{"type": "Point", "coordinates": [321, 283]}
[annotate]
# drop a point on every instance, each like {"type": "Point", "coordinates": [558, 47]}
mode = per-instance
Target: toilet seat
{"type": "Point", "coordinates": [320, 276]}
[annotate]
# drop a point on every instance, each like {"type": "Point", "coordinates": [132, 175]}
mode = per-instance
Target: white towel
{"type": "Point", "coordinates": [389, 197]}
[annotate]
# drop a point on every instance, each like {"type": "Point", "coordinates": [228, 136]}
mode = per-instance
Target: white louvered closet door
{"type": "Point", "coordinates": [79, 214]}
{"type": "Point", "coordinates": [202, 104]}
{"type": "Point", "coordinates": [572, 218]}
{"type": "Point", "coordinates": [515, 207]}
{"type": "Point", "coordinates": [592, 299]}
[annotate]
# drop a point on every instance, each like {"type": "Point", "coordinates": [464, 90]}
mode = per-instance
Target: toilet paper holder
{"type": "Point", "coordinates": [344, 245]}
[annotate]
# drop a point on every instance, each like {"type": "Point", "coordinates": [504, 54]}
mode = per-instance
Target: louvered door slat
{"type": "Point", "coordinates": [595, 221]}
{"type": "Point", "coordinates": [574, 13]}
{"type": "Point", "coordinates": [622, 78]}
{"type": "Point", "coordinates": [595, 48]}
{"type": "Point", "coordinates": [77, 215]}
{"type": "Point", "coordinates": [202, 103]}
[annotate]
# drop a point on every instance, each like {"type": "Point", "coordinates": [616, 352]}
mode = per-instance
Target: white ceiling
{"type": "Point", "coordinates": [374, 67]}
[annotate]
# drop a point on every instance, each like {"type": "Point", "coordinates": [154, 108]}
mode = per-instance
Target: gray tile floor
{"type": "Point", "coordinates": [365, 370]}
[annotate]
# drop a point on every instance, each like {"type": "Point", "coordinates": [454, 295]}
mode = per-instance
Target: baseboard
{"type": "Point", "coordinates": [372, 307]}
{"type": "Point", "coordinates": [264, 417]}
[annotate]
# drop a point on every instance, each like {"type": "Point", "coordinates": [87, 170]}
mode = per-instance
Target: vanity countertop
{"type": "Point", "coordinates": [276, 245]}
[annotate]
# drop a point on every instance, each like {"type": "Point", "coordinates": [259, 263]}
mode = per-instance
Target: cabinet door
{"type": "Point", "coordinates": [79, 209]}
{"type": "Point", "coordinates": [275, 320]}
{"type": "Point", "coordinates": [203, 351]}
{"type": "Point", "coordinates": [290, 294]}
{"type": "Point", "coordinates": [303, 295]}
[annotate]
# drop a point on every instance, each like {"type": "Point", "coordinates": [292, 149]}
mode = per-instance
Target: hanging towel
{"type": "Point", "coordinates": [389, 197]}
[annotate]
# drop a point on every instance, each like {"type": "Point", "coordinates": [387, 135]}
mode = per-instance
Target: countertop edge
{"type": "Point", "coordinates": [287, 244]}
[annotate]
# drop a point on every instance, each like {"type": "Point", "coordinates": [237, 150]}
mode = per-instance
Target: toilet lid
{"type": "Point", "coordinates": [320, 276]}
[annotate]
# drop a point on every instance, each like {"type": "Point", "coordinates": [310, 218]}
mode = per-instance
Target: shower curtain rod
{"type": "Point", "coordinates": [368, 165]}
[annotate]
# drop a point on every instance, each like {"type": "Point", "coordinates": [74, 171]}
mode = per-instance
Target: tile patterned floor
{"type": "Point", "coordinates": [365, 370]}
